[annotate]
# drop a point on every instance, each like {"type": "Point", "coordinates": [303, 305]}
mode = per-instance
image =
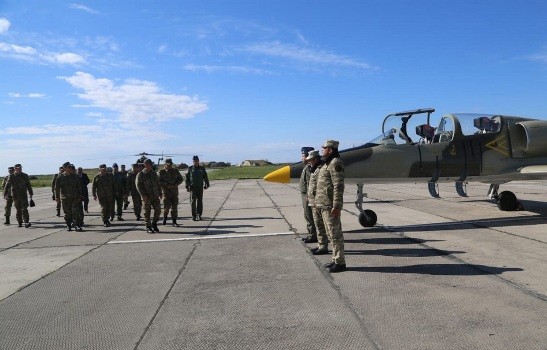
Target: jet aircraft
{"type": "Point", "coordinates": [463, 147]}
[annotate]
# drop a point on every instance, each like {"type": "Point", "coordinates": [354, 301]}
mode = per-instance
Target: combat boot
{"type": "Point", "coordinates": [7, 221]}
{"type": "Point", "coordinates": [69, 227]}
{"type": "Point", "coordinates": [106, 223]}
{"type": "Point", "coordinates": [138, 218]}
{"type": "Point", "coordinates": [20, 224]}
{"type": "Point", "coordinates": [175, 222]}
{"type": "Point", "coordinates": [155, 227]}
{"type": "Point", "coordinates": [58, 212]}
{"type": "Point", "coordinates": [120, 218]}
{"type": "Point", "coordinates": [125, 205]}
{"type": "Point", "coordinates": [165, 220]}
{"type": "Point", "coordinates": [149, 229]}
{"type": "Point", "coordinates": [27, 224]}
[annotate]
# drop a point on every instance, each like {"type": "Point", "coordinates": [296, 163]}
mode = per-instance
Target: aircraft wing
{"type": "Point", "coordinates": [534, 170]}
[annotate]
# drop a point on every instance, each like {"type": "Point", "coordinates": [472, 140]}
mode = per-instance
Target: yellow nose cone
{"type": "Point", "coordinates": [282, 175]}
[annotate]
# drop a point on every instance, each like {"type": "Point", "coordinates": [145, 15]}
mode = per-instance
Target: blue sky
{"type": "Point", "coordinates": [98, 81]}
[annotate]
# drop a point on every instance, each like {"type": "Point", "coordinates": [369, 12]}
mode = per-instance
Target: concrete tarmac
{"type": "Point", "coordinates": [448, 273]}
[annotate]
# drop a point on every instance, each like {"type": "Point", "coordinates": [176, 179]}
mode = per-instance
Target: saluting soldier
{"type": "Point", "coordinates": [9, 199]}
{"type": "Point", "coordinates": [330, 198]}
{"type": "Point", "coordinates": [53, 190]}
{"type": "Point", "coordinates": [68, 191]}
{"type": "Point", "coordinates": [314, 160]}
{"type": "Point", "coordinates": [196, 182]}
{"type": "Point", "coordinates": [131, 188]}
{"type": "Point", "coordinates": [149, 188]}
{"type": "Point", "coordinates": [304, 181]}
{"type": "Point", "coordinates": [103, 188]}
{"type": "Point", "coordinates": [18, 184]}
{"type": "Point", "coordinates": [170, 179]}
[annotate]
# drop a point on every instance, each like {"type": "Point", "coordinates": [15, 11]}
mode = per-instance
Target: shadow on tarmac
{"type": "Point", "coordinates": [403, 252]}
{"type": "Point", "coordinates": [438, 269]}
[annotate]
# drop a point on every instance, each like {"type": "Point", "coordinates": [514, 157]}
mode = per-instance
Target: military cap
{"type": "Point", "coordinates": [168, 161]}
{"type": "Point", "coordinates": [11, 168]}
{"type": "Point", "coordinates": [115, 165]}
{"type": "Point", "coordinates": [66, 164]}
{"type": "Point", "coordinates": [109, 170]}
{"type": "Point", "coordinates": [61, 167]}
{"type": "Point", "coordinates": [148, 161]}
{"type": "Point", "coordinates": [123, 165]}
{"type": "Point", "coordinates": [195, 158]}
{"type": "Point", "coordinates": [331, 144]}
{"type": "Point", "coordinates": [102, 166]}
{"type": "Point", "coordinates": [306, 150]}
{"type": "Point", "coordinates": [135, 164]}
{"type": "Point", "coordinates": [17, 166]}
{"type": "Point", "coordinates": [313, 154]}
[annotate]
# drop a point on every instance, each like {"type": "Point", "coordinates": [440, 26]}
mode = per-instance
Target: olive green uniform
{"type": "Point", "coordinates": [53, 192]}
{"type": "Point", "coordinates": [103, 188]}
{"type": "Point", "coordinates": [308, 215]}
{"type": "Point", "coordinates": [68, 189]}
{"type": "Point", "coordinates": [170, 179]}
{"type": "Point", "coordinates": [19, 185]}
{"type": "Point", "coordinates": [119, 193]}
{"type": "Point", "coordinates": [9, 200]}
{"type": "Point", "coordinates": [148, 186]}
{"type": "Point", "coordinates": [131, 188]}
{"type": "Point", "coordinates": [322, 238]}
{"type": "Point", "coordinates": [330, 194]}
{"type": "Point", "coordinates": [196, 180]}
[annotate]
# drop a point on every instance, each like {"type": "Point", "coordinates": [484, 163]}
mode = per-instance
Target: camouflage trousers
{"type": "Point", "coordinates": [308, 215]}
{"type": "Point", "coordinates": [107, 207]}
{"type": "Point", "coordinates": [322, 239]}
{"type": "Point", "coordinates": [148, 206]}
{"type": "Point", "coordinates": [171, 202]}
{"type": "Point", "coordinates": [118, 201]}
{"type": "Point", "coordinates": [72, 207]}
{"type": "Point", "coordinates": [333, 226]}
{"type": "Point", "coordinates": [137, 203]}
{"type": "Point", "coordinates": [7, 208]}
{"type": "Point", "coordinates": [21, 209]}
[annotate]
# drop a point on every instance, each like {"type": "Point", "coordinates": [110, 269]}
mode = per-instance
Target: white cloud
{"type": "Point", "coordinates": [31, 95]}
{"type": "Point", "coordinates": [18, 50]}
{"type": "Point", "coordinates": [66, 58]}
{"type": "Point", "coordinates": [135, 101]}
{"type": "Point", "coordinates": [30, 54]}
{"type": "Point", "coordinates": [230, 69]}
{"type": "Point", "coordinates": [4, 25]}
{"type": "Point", "coordinates": [84, 8]}
{"type": "Point", "coordinates": [50, 129]}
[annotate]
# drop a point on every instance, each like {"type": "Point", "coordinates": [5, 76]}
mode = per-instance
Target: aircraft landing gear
{"type": "Point", "coordinates": [367, 217]}
{"type": "Point", "coordinates": [507, 201]}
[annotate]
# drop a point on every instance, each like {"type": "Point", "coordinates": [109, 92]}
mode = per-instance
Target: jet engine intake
{"type": "Point", "coordinates": [529, 139]}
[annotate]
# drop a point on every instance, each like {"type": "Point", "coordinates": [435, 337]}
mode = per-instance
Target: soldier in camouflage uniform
{"type": "Point", "coordinates": [19, 184]}
{"type": "Point", "coordinates": [9, 199]}
{"type": "Point", "coordinates": [304, 181]}
{"type": "Point", "coordinates": [329, 198]}
{"type": "Point", "coordinates": [170, 179]}
{"type": "Point", "coordinates": [119, 193]}
{"type": "Point", "coordinates": [53, 190]}
{"type": "Point", "coordinates": [126, 194]}
{"type": "Point", "coordinates": [314, 160]}
{"type": "Point", "coordinates": [103, 188]}
{"type": "Point", "coordinates": [131, 188]}
{"type": "Point", "coordinates": [149, 187]}
{"type": "Point", "coordinates": [196, 182]}
{"type": "Point", "coordinates": [68, 191]}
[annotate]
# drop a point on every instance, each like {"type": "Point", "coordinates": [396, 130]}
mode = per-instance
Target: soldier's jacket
{"type": "Point", "coordinates": [17, 185]}
{"type": "Point", "coordinates": [4, 182]}
{"type": "Point", "coordinates": [170, 179]}
{"type": "Point", "coordinates": [312, 185]}
{"type": "Point", "coordinates": [196, 177]}
{"type": "Point", "coordinates": [68, 186]}
{"type": "Point", "coordinates": [120, 183]}
{"type": "Point", "coordinates": [53, 182]}
{"type": "Point", "coordinates": [103, 186]}
{"type": "Point", "coordinates": [148, 184]}
{"type": "Point", "coordinates": [305, 179]}
{"type": "Point", "coordinates": [131, 184]}
{"type": "Point", "coordinates": [330, 184]}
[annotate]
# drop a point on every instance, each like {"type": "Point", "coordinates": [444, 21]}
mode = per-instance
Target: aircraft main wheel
{"type": "Point", "coordinates": [370, 221]}
{"type": "Point", "coordinates": [507, 201]}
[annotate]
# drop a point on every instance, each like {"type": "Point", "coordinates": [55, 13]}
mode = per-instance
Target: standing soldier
{"type": "Point", "coordinates": [126, 194]}
{"type": "Point", "coordinates": [68, 191]}
{"type": "Point", "coordinates": [314, 160]}
{"type": "Point", "coordinates": [53, 190]}
{"type": "Point", "coordinates": [103, 187]}
{"type": "Point", "coordinates": [9, 199]}
{"type": "Point", "coordinates": [170, 179]}
{"type": "Point", "coordinates": [196, 182]}
{"type": "Point", "coordinates": [119, 193]}
{"type": "Point", "coordinates": [19, 184]}
{"type": "Point", "coordinates": [149, 188]}
{"type": "Point", "coordinates": [131, 188]}
{"type": "Point", "coordinates": [329, 198]}
{"type": "Point", "coordinates": [304, 181]}
{"type": "Point", "coordinates": [85, 193]}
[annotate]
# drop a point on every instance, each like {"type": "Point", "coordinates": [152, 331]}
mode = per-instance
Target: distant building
{"type": "Point", "coordinates": [259, 162]}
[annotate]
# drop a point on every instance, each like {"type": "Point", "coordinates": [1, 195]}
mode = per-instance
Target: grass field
{"type": "Point", "coordinates": [234, 172]}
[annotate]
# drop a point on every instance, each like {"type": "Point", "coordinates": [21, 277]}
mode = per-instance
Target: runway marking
{"type": "Point", "coordinates": [197, 238]}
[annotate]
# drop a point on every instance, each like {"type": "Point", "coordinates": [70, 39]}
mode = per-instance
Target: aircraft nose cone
{"type": "Point", "coordinates": [282, 175]}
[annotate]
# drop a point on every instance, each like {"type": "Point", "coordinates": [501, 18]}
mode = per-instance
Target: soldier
{"type": "Point", "coordinates": [304, 181]}
{"type": "Point", "coordinates": [314, 160]}
{"type": "Point", "coordinates": [196, 182]}
{"type": "Point", "coordinates": [119, 193]}
{"type": "Point", "coordinates": [103, 187]}
{"type": "Point", "coordinates": [149, 188]}
{"type": "Point", "coordinates": [329, 198]}
{"type": "Point", "coordinates": [19, 184]}
{"type": "Point", "coordinates": [68, 191]}
{"type": "Point", "coordinates": [131, 188]}
{"type": "Point", "coordinates": [85, 193]}
{"type": "Point", "coordinates": [53, 190]}
{"type": "Point", "coordinates": [9, 199]}
{"type": "Point", "coordinates": [126, 194]}
{"type": "Point", "coordinates": [170, 179]}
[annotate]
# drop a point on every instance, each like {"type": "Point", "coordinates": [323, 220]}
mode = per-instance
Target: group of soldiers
{"type": "Point", "coordinates": [322, 190]}
{"type": "Point", "coordinates": [112, 188]}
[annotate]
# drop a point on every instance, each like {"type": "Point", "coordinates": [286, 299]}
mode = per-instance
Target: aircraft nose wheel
{"type": "Point", "coordinates": [507, 201]}
{"type": "Point", "coordinates": [368, 218]}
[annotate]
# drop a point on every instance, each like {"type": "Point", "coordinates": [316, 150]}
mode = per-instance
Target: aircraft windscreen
{"type": "Point", "coordinates": [387, 138]}
{"type": "Point", "coordinates": [479, 123]}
